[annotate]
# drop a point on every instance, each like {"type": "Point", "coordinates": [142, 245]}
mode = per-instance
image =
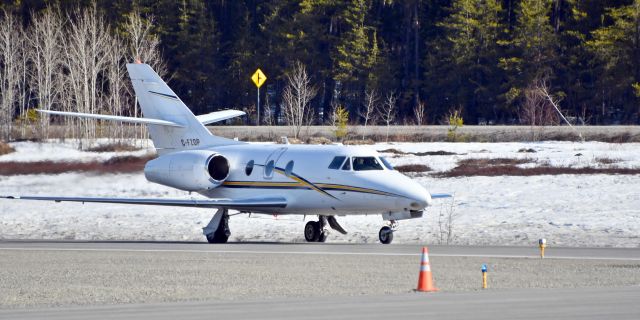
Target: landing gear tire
{"type": "Point", "coordinates": [323, 236]}
{"type": "Point", "coordinates": [312, 232]}
{"type": "Point", "coordinates": [385, 235]}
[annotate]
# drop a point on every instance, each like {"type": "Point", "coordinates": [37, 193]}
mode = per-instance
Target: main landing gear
{"type": "Point", "coordinates": [217, 231]}
{"type": "Point", "coordinates": [316, 231]}
{"type": "Point", "coordinates": [386, 233]}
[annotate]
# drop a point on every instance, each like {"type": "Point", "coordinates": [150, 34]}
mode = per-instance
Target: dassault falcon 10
{"type": "Point", "coordinates": [327, 181]}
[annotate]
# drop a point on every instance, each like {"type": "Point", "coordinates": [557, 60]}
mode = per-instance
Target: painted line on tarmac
{"type": "Point", "coordinates": [318, 253]}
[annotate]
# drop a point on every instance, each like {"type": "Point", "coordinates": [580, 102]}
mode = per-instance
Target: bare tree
{"type": "Point", "coordinates": [447, 222]}
{"type": "Point", "coordinates": [388, 111]}
{"type": "Point", "coordinates": [10, 75]}
{"type": "Point", "coordinates": [45, 55]}
{"type": "Point", "coordinates": [117, 95]}
{"type": "Point", "coordinates": [144, 46]}
{"type": "Point", "coordinates": [418, 111]}
{"type": "Point", "coordinates": [536, 110]}
{"type": "Point", "coordinates": [544, 91]}
{"type": "Point", "coordinates": [368, 111]}
{"type": "Point", "coordinates": [86, 57]}
{"type": "Point", "coordinates": [267, 116]}
{"type": "Point", "coordinates": [296, 97]}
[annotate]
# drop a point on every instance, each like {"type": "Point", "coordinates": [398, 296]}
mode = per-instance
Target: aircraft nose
{"type": "Point", "coordinates": [419, 197]}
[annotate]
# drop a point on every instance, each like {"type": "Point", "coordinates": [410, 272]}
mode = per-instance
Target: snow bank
{"type": "Point", "coordinates": [568, 210]}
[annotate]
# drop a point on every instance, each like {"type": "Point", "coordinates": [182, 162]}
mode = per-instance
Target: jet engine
{"type": "Point", "coordinates": [193, 170]}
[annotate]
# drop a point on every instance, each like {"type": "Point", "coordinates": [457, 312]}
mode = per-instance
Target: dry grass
{"type": "Point", "coordinates": [113, 147]}
{"type": "Point", "coordinates": [537, 171]}
{"type": "Point", "coordinates": [318, 140]}
{"type": "Point", "coordinates": [509, 167]}
{"type": "Point", "coordinates": [114, 165]}
{"type": "Point", "coordinates": [430, 133]}
{"type": "Point", "coordinates": [413, 168]}
{"type": "Point", "coordinates": [605, 160]}
{"type": "Point", "coordinates": [419, 154]}
{"type": "Point", "coordinates": [489, 162]}
{"type": "Point", "coordinates": [358, 142]}
{"type": "Point", "coordinates": [5, 148]}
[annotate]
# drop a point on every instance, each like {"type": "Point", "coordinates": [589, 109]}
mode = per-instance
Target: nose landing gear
{"type": "Point", "coordinates": [386, 233]}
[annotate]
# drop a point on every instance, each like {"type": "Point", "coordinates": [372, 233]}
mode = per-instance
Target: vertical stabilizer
{"type": "Point", "coordinates": [158, 101]}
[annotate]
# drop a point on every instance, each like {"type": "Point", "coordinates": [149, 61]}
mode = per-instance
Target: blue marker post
{"type": "Point", "coordinates": [484, 276]}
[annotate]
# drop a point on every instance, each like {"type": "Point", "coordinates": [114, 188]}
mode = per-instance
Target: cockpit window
{"type": "Point", "coordinates": [366, 163]}
{"type": "Point", "coordinates": [337, 162]}
{"type": "Point", "coordinates": [386, 163]}
{"type": "Point", "coordinates": [347, 164]}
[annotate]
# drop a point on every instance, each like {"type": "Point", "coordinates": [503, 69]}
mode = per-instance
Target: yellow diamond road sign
{"type": "Point", "coordinates": [259, 78]}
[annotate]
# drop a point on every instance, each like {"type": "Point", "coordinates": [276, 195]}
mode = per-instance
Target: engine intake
{"type": "Point", "coordinates": [193, 170]}
{"type": "Point", "coordinates": [218, 167]}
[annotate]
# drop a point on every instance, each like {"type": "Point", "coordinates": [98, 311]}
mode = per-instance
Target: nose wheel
{"type": "Point", "coordinates": [386, 233]}
{"type": "Point", "coordinates": [314, 230]}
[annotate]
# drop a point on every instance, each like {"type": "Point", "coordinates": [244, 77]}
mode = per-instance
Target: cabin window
{"type": "Point", "coordinates": [268, 169]}
{"type": "Point", "coordinates": [249, 168]}
{"type": "Point", "coordinates": [347, 164]}
{"type": "Point", "coordinates": [337, 162]}
{"type": "Point", "coordinates": [386, 163]}
{"type": "Point", "coordinates": [366, 163]}
{"type": "Point", "coordinates": [288, 169]}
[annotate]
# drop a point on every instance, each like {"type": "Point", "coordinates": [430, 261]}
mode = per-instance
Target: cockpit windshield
{"type": "Point", "coordinates": [386, 163]}
{"type": "Point", "coordinates": [366, 163]}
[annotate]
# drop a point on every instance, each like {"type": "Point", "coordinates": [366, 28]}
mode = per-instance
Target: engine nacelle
{"type": "Point", "coordinates": [193, 170]}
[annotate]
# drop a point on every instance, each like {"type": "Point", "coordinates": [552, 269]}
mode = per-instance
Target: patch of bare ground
{"type": "Point", "coordinates": [605, 160]}
{"type": "Point", "coordinates": [113, 147]}
{"type": "Point", "coordinates": [318, 140]}
{"type": "Point", "coordinates": [122, 164]}
{"type": "Point", "coordinates": [509, 167]}
{"type": "Point", "coordinates": [358, 142]}
{"type": "Point", "coordinates": [5, 148]}
{"type": "Point", "coordinates": [420, 154]}
{"type": "Point", "coordinates": [413, 168]}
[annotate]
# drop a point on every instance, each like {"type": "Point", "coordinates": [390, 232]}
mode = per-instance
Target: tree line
{"type": "Point", "coordinates": [483, 59]}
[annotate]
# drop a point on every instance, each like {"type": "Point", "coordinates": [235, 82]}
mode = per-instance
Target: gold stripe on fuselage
{"type": "Point", "coordinates": [320, 187]}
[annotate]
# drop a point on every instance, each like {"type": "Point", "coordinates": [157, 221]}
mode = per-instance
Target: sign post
{"type": "Point", "coordinates": [258, 79]}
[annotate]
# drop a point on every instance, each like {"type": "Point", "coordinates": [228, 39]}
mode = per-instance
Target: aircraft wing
{"type": "Point", "coordinates": [239, 204]}
{"type": "Point", "coordinates": [219, 116]}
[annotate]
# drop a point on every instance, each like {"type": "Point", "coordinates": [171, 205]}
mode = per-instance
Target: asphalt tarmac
{"type": "Point", "coordinates": [123, 280]}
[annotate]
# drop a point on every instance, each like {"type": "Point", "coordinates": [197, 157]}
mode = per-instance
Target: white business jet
{"type": "Point", "coordinates": [326, 181]}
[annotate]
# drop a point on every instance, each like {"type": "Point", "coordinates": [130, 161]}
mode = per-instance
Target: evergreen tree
{"type": "Point", "coordinates": [472, 31]}
{"type": "Point", "coordinates": [617, 47]}
{"type": "Point", "coordinates": [532, 49]}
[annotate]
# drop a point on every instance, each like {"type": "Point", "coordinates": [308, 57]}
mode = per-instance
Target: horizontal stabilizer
{"type": "Point", "coordinates": [219, 116]}
{"type": "Point", "coordinates": [240, 204]}
{"type": "Point", "coordinates": [113, 118]}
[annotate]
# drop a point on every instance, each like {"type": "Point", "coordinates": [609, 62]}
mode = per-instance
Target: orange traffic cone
{"type": "Point", "coordinates": [425, 280]}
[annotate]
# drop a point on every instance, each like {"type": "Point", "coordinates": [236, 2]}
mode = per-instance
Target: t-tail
{"type": "Point", "coordinates": [172, 126]}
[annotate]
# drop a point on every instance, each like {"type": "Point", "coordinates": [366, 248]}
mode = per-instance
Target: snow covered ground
{"type": "Point", "coordinates": [567, 210]}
